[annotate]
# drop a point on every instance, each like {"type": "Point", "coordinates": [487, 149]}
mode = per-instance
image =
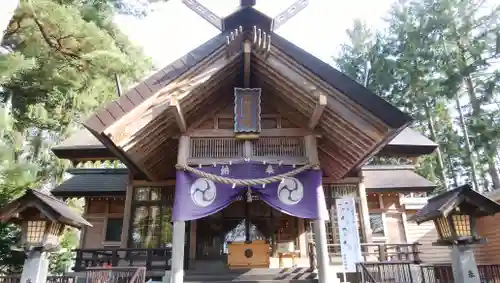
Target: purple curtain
{"type": "Point", "coordinates": [301, 195]}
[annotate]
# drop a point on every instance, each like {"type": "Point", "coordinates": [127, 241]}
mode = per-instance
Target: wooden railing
{"type": "Point", "coordinates": [116, 274]}
{"type": "Point", "coordinates": [397, 272]}
{"type": "Point", "coordinates": [383, 252]}
{"type": "Point", "coordinates": [364, 274]}
{"type": "Point", "coordinates": [151, 259]}
{"type": "Point", "coordinates": [443, 273]}
{"type": "Point", "coordinates": [16, 278]}
{"type": "Point", "coordinates": [394, 253]}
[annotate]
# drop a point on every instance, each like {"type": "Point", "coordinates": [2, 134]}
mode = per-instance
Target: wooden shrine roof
{"type": "Point", "coordinates": [85, 182]}
{"type": "Point", "coordinates": [138, 127]}
{"type": "Point", "coordinates": [113, 182]}
{"type": "Point", "coordinates": [394, 178]}
{"type": "Point", "coordinates": [54, 209]}
{"type": "Point", "coordinates": [463, 198]}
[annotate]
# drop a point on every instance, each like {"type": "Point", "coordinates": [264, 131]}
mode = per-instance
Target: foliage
{"type": "Point", "coordinates": [57, 64]}
{"type": "Point", "coordinates": [61, 261]}
{"type": "Point", "coordinates": [431, 54]}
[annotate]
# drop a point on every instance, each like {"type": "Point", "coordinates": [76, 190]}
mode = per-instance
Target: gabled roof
{"type": "Point", "coordinates": [356, 123]}
{"type": "Point", "coordinates": [55, 209]}
{"type": "Point", "coordinates": [379, 178]}
{"type": "Point", "coordinates": [464, 198]}
{"type": "Point", "coordinates": [409, 143]}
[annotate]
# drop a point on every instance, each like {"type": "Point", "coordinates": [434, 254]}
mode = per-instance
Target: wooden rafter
{"type": "Point", "coordinates": [153, 153]}
{"type": "Point", "coordinates": [318, 111]}
{"type": "Point", "coordinates": [296, 79]}
{"type": "Point", "coordinates": [349, 132]}
{"type": "Point", "coordinates": [123, 130]}
{"type": "Point", "coordinates": [175, 108]}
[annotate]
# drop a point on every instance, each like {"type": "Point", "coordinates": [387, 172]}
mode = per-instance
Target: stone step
{"type": "Point", "coordinates": [303, 275]}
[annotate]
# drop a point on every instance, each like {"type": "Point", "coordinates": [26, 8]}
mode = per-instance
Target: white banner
{"type": "Point", "coordinates": [350, 247]}
{"type": "Point", "coordinates": [7, 8]}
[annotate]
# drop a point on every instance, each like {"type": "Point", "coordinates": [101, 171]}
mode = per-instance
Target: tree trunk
{"type": "Point", "coordinates": [490, 148]}
{"type": "Point", "coordinates": [439, 156]}
{"type": "Point", "coordinates": [470, 153]}
{"type": "Point", "coordinates": [452, 171]}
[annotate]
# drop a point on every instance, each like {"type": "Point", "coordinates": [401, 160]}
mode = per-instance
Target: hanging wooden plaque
{"type": "Point", "coordinates": [247, 112]}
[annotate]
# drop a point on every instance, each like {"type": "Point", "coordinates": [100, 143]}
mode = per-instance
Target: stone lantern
{"type": "Point", "coordinates": [42, 219]}
{"type": "Point", "coordinates": [454, 214]}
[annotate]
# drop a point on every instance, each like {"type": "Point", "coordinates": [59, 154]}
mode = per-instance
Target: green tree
{"type": "Point", "coordinates": [58, 64]}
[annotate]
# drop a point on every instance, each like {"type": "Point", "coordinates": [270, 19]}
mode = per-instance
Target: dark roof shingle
{"type": "Point", "coordinates": [85, 182]}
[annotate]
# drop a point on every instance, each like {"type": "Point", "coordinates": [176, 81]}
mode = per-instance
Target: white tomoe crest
{"type": "Point", "coordinates": [290, 191]}
{"type": "Point", "coordinates": [203, 192]}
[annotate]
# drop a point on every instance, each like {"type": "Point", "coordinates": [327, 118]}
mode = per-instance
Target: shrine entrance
{"type": "Point", "coordinates": [243, 222]}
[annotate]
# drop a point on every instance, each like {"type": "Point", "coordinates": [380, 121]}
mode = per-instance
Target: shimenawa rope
{"type": "Point", "coordinates": [245, 182]}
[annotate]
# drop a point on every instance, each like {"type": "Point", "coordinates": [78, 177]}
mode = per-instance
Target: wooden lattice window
{"type": "Point", "coordinates": [216, 148]}
{"type": "Point", "coordinates": [279, 147]}
{"type": "Point", "coordinates": [36, 232]}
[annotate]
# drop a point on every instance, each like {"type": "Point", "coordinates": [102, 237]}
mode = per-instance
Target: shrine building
{"type": "Point", "coordinates": [233, 156]}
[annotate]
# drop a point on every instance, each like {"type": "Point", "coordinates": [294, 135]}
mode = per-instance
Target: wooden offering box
{"type": "Point", "coordinates": [252, 254]}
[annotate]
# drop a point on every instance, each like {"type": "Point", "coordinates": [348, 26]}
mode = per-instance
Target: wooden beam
{"type": "Point", "coordinates": [282, 132]}
{"type": "Point", "coordinates": [318, 111]}
{"type": "Point", "coordinates": [247, 50]}
{"type": "Point", "coordinates": [177, 112]}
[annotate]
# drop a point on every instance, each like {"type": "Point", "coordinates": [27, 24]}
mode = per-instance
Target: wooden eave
{"type": "Point", "coordinates": [95, 150]}
{"type": "Point", "coordinates": [409, 143]}
{"type": "Point", "coordinates": [394, 178]}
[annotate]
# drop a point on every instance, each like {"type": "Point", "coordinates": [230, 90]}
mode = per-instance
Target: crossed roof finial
{"type": "Point", "coordinates": [217, 21]}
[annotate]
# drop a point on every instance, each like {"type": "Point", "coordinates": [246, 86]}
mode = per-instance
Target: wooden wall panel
{"type": "Point", "coordinates": [426, 234]}
{"type": "Point", "coordinates": [395, 228]}
{"type": "Point", "coordinates": [488, 227]}
{"type": "Point", "coordinates": [98, 211]}
{"type": "Point", "coordinates": [94, 235]}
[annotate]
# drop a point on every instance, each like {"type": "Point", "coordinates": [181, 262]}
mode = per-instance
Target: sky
{"type": "Point", "coordinates": [172, 30]}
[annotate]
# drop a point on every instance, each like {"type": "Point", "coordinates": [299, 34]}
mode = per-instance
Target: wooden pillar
{"type": "Point", "coordinates": [302, 237]}
{"type": "Point", "coordinates": [324, 276]}
{"type": "Point", "coordinates": [127, 213]}
{"type": "Point", "coordinates": [179, 233]}
{"type": "Point", "coordinates": [84, 230]}
{"type": "Point", "coordinates": [366, 230]}
{"type": "Point", "coordinates": [192, 242]}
